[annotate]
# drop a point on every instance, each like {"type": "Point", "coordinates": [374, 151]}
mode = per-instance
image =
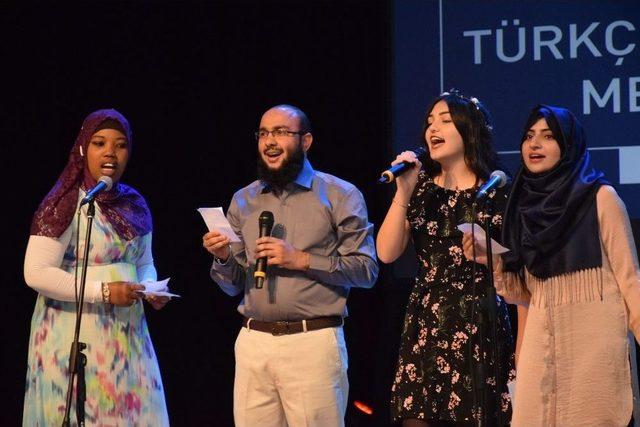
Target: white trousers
{"type": "Point", "coordinates": [297, 380]}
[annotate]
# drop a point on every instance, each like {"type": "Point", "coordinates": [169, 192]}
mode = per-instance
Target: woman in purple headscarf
{"type": "Point", "coordinates": [123, 380]}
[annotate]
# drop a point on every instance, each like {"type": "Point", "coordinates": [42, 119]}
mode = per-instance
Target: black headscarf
{"type": "Point", "coordinates": [551, 220]}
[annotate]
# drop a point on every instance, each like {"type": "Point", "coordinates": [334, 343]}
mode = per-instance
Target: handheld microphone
{"type": "Point", "coordinates": [265, 224]}
{"type": "Point", "coordinates": [395, 171]}
{"type": "Point", "coordinates": [497, 179]}
{"type": "Point", "coordinates": [104, 184]}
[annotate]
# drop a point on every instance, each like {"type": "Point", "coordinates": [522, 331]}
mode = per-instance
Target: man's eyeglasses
{"type": "Point", "coordinates": [277, 133]}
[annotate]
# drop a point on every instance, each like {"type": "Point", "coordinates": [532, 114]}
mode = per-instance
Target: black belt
{"type": "Point", "coordinates": [293, 327]}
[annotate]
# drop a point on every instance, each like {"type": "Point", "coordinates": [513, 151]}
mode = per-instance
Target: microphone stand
{"type": "Point", "coordinates": [77, 359]}
{"type": "Point", "coordinates": [489, 308]}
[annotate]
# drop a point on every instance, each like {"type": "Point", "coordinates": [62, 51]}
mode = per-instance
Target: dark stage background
{"type": "Point", "coordinates": [194, 78]}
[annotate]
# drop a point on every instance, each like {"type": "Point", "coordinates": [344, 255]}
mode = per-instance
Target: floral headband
{"type": "Point", "coordinates": [475, 101]}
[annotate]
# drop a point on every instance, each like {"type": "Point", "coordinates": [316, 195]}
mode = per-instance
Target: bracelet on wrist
{"type": "Point", "coordinates": [106, 293]}
{"type": "Point", "coordinates": [220, 261]}
{"type": "Point", "coordinates": [398, 203]}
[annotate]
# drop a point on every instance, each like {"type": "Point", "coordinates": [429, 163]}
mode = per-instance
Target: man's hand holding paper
{"type": "Point", "coordinates": [220, 234]}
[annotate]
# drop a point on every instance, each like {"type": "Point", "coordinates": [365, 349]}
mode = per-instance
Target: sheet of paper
{"type": "Point", "coordinates": [512, 391]}
{"type": "Point", "coordinates": [159, 288]}
{"type": "Point", "coordinates": [162, 294]}
{"type": "Point", "coordinates": [215, 219]}
{"type": "Point", "coordinates": [481, 236]}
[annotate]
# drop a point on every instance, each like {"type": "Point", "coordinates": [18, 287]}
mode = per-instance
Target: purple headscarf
{"type": "Point", "coordinates": [123, 206]}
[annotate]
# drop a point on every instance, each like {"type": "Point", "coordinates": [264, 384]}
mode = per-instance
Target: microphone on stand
{"type": "Point", "coordinates": [497, 179]}
{"type": "Point", "coordinates": [395, 171]}
{"type": "Point", "coordinates": [265, 224]}
{"type": "Point", "coordinates": [104, 184]}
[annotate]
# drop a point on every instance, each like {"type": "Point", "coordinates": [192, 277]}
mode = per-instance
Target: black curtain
{"type": "Point", "coordinates": [193, 78]}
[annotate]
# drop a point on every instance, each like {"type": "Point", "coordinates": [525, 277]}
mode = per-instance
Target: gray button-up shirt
{"type": "Point", "coordinates": [318, 214]}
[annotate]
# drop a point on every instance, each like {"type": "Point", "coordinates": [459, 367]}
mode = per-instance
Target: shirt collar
{"type": "Point", "coordinates": [305, 177]}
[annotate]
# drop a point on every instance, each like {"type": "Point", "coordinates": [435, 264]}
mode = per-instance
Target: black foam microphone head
{"type": "Point", "coordinates": [266, 221]}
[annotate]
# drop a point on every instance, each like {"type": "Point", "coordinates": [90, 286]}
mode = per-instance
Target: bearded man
{"type": "Point", "coordinates": [291, 358]}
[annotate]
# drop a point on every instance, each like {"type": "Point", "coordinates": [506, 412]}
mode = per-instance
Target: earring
{"type": "Point", "coordinates": [81, 152]}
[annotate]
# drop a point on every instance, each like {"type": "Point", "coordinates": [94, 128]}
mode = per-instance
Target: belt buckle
{"type": "Point", "coordinates": [280, 328]}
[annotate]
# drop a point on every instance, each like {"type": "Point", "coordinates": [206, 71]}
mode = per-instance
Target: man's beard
{"type": "Point", "coordinates": [286, 173]}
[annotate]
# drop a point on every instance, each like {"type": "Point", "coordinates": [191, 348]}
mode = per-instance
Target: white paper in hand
{"type": "Point", "coordinates": [215, 220]}
{"type": "Point", "coordinates": [159, 288]}
{"type": "Point", "coordinates": [511, 386]}
{"type": "Point", "coordinates": [481, 237]}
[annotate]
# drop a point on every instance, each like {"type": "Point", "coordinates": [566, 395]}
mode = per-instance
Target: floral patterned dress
{"type": "Point", "coordinates": [123, 383]}
{"type": "Point", "coordinates": [433, 379]}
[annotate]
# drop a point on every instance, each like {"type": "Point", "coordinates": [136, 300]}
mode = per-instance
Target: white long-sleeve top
{"type": "Point", "coordinates": [43, 270]}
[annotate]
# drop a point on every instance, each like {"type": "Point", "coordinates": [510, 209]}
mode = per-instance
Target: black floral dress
{"type": "Point", "coordinates": [433, 380]}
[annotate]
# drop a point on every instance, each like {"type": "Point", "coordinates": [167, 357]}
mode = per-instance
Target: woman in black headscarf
{"type": "Point", "coordinates": [573, 271]}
